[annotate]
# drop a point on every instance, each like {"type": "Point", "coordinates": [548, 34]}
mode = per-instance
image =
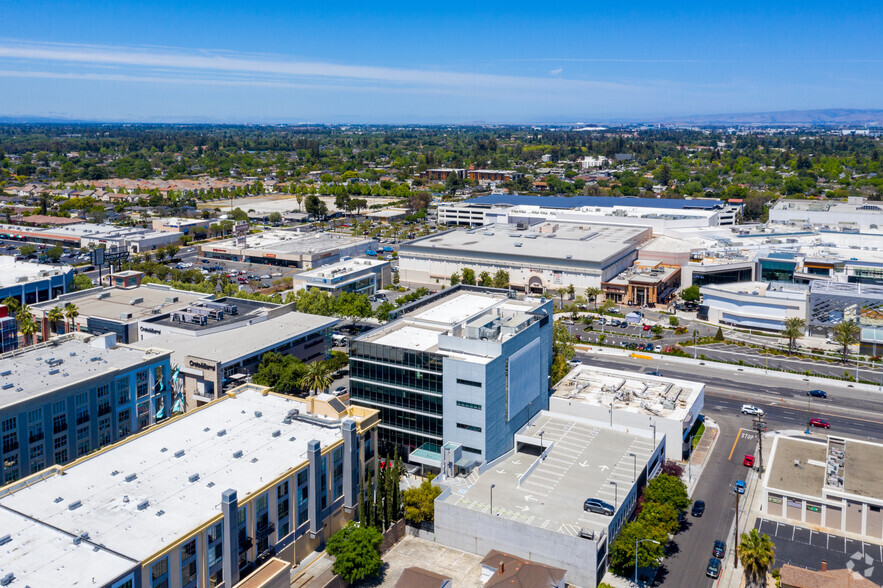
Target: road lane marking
{"type": "Point", "coordinates": [734, 444]}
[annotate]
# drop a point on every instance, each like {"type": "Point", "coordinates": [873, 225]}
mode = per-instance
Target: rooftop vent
{"type": "Point", "coordinates": [160, 513]}
{"type": "Point", "coordinates": [211, 484]}
{"type": "Point", "coordinates": [254, 460]}
{"type": "Point", "coordinates": [96, 358]}
{"type": "Point", "coordinates": [222, 432]}
{"type": "Point", "coordinates": [237, 454]}
{"type": "Point", "coordinates": [7, 579]}
{"type": "Point", "coordinates": [206, 430]}
{"type": "Point", "coordinates": [5, 539]}
{"type": "Point", "coordinates": [131, 477]}
{"type": "Point", "coordinates": [179, 453]}
{"type": "Point", "coordinates": [53, 372]}
{"type": "Point", "coordinates": [143, 504]}
{"type": "Point", "coordinates": [137, 300]}
{"type": "Point", "coordinates": [164, 449]}
{"type": "Point", "coordinates": [277, 433]}
{"type": "Point", "coordinates": [103, 295]}
{"type": "Point", "coordinates": [57, 500]}
{"type": "Point", "coordinates": [193, 478]}
{"type": "Point", "coordinates": [6, 373]}
{"type": "Point", "coordinates": [8, 386]}
{"type": "Point", "coordinates": [75, 505]}
{"type": "Point", "coordinates": [170, 299]}
{"type": "Point", "coordinates": [258, 414]}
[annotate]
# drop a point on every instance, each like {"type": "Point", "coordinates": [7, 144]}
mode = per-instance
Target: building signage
{"type": "Point", "coordinates": [150, 330]}
{"type": "Point", "coordinates": [272, 255]}
{"type": "Point", "coordinates": [775, 500]}
{"type": "Point", "coordinates": [813, 508]}
{"type": "Point", "coordinates": [795, 503]}
{"type": "Point", "coordinates": [102, 256]}
{"type": "Point", "coordinates": [202, 365]}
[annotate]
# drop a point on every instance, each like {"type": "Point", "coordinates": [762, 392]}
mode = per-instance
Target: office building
{"type": "Point", "coordinates": [63, 399]}
{"type": "Point", "coordinates": [531, 502]}
{"type": "Point", "coordinates": [753, 305]}
{"type": "Point", "coordinates": [8, 330]}
{"type": "Point", "coordinates": [117, 309]}
{"type": "Point", "coordinates": [202, 499]}
{"type": "Point", "coordinates": [833, 302]}
{"type": "Point", "coordinates": [467, 366]}
{"type": "Point", "coordinates": [184, 226]}
{"type": "Point", "coordinates": [854, 214]}
{"type": "Point", "coordinates": [217, 354]}
{"type": "Point", "coordinates": [289, 248]}
{"type": "Point", "coordinates": [537, 258]}
{"type": "Point", "coordinates": [362, 275]}
{"type": "Point", "coordinates": [30, 283]}
{"type": "Point", "coordinates": [131, 239]}
{"type": "Point", "coordinates": [831, 484]}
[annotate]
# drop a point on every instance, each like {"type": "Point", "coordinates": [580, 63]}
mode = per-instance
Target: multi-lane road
{"type": "Point", "coordinates": [851, 412]}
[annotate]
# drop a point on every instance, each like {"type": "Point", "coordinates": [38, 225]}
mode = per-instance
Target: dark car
{"type": "Point", "coordinates": [714, 568]}
{"type": "Point", "coordinates": [698, 508]}
{"type": "Point", "coordinates": [598, 506]}
{"type": "Point", "coordinates": [719, 549]}
{"type": "Point", "coordinates": [817, 393]}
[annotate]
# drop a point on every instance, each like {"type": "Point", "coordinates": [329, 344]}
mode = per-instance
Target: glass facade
{"type": "Point", "coordinates": [775, 270]}
{"type": "Point", "coordinates": [406, 386]}
{"type": "Point", "coordinates": [722, 277]}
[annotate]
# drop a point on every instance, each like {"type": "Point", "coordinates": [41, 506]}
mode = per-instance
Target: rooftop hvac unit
{"type": "Point", "coordinates": [193, 478]}
{"type": "Point", "coordinates": [143, 504]}
{"type": "Point", "coordinates": [125, 316]}
{"type": "Point", "coordinates": [131, 477]}
{"type": "Point", "coordinates": [171, 299]}
{"type": "Point", "coordinates": [237, 454]}
{"type": "Point", "coordinates": [137, 300]}
{"type": "Point", "coordinates": [103, 295]}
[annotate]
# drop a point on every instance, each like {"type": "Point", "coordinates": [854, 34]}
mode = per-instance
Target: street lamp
{"type": "Point", "coordinates": [615, 494]}
{"type": "Point", "coordinates": [637, 542]}
{"type": "Point", "coordinates": [611, 414]}
{"type": "Point", "coordinates": [541, 442]}
{"type": "Point", "coordinates": [634, 468]}
{"type": "Point", "coordinates": [492, 498]}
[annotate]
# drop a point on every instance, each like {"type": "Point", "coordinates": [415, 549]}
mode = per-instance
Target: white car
{"type": "Point", "coordinates": [574, 362]}
{"type": "Point", "coordinates": [751, 409]}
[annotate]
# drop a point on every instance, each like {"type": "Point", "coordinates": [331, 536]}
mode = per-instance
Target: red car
{"type": "Point", "coordinates": [646, 327]}
{"type": "Point", "coordinates": [748, 461]}
{"type": "Point", "coordinates": [819, 423]}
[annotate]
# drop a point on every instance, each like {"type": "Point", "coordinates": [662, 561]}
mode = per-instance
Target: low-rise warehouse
{"type": "Point", "coordinates": [290, 248]}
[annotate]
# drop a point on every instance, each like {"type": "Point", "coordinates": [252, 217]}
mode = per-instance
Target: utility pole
{"type": "Point", "coordinates": [736, 538]}
{"type": "Point", "coordinates": [760, 427]}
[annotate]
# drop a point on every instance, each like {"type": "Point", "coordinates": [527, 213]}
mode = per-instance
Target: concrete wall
{"type": "Point", "coordinates": [478, 533]}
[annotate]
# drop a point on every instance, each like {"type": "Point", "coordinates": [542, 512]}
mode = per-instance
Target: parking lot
{"type": "Point", "coordinates": [807, 548]}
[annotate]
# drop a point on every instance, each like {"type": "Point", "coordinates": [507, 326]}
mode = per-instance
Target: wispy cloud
{"type": "Point", "coordinates": [142, 64]}
{"type": "Point", "coordinates": [557, 71]}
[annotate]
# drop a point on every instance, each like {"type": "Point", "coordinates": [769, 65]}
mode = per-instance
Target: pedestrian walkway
{"type": "Point", "coordinates": [701, 454]}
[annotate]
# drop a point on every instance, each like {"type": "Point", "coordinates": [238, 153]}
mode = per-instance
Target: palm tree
{"type": "Point", "coordinates": [12, 304]}
{"type": "Point", "coordinates": [757, 554]}
{"type": "Point", "coordinates": [72, 312]}
{"type": "Point", "coordinates": [593, 294]}
{"type": "Point", "coordinates": [26, 324]}
{"type": "Point", "coordinates": [846, 334]}
{"type": "Point", "coordinates": [793, 330]}
{"type": "Point", "coordinates": [55, 316]}
{"type": "Point", "coordinates": [316, 378]}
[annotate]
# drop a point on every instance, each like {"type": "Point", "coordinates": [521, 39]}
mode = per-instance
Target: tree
{"type": "Point", "coordinates": [593, 294]}
{"type": "Point", "coordinates": [316, 377]}
{"type": "Point", "coordinates": [669, 490]}
{"type": "Point", "coordinates": [315, 207]}
{"type": "Point", "coordinates": [560, 292]}
{"type": "Point", "coordinates": [54, 253]}
{"type": "Point", "coordinates": [420, 502]}
{"type": "Point", "coordinates": [846, 334]}
{"type": "Point", "coordinates": [314, 301]}
{"type": "Point", "coordinates": [501, 279]}
{"type": "Point", "coordinates": [673, 321]}
{"type": "Point", "coordinates": [719, 335]}
{"type": "Point", "coordinates": [300, 200]}
{"type": "Point", "coordinates": [793, 330]}
{"type": "Point", "coordinates": [690, 294]}
{"type": "Point", "coordinates": [468, 276]}
{"type": "Point", "coordinates": [757, 554]}
{"type": "Point", "coordinates": [353, 306]}
{"type": "Point", "coordinates": [239, 215]}
{"type": "Point", "coordinates": [281, 372]}
{"type": "Point", "coordinates": [358, 204]}
{"type": "Point", "coordinates": [55, 315]}
{"type": "Point", "coordinates": [383, 310]}
{"type": "Point", "coordinates": [72, 312]}
{"type": "Point", "coordinates": [172, 250]}
{"type": "Point", "coordinates": [27, 250]}
{"type": "Point", "coordinates": [81, 282]}
{"type": "Point", "coordinates": [26, 324]}
{"type": "Point", "coordinates": [419, 201]}
{"type": "Point", "coordinates": [672, 468]}
{"type": "Point", "coordinates": [660, 516]}
{"type": "Point", "coordinates": [455, 278]}
{"type": "Point", "coordinates": [484, 279]}
{"type": "Point", "coordinates": [622, 552]}
{"type": "Point", "coordinates": [275, 218]}
{"type": "Point", "coordinates": [356, 551]}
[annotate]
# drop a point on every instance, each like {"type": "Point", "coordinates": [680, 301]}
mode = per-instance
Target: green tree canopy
{"type": "Point", "coordinates": [27, 249]}
{"type": "Point", "coordinates": [353, 306]}
{"type": "Point", "coordinates": [356, 551]}
{"type": "Point", "coordinates": [846, 334]}
{"type": "Point", "coordinates": [622, 552]}
{"type": "Point", "coordinates": [669, 490]}
{"type": "Point", "coordinates": [383, 310]}
{"type": "Point", "coordinates": [280, 372]}
{"type": "Point", "coordinates": [81, 282]}
{"type": "Point", "coordinates": [690, 294]}
{"type": "Point", "coordinates": [54, 253]}
{"type": "Point", "coordinates": [420, 502]}
{"type": "Point", "coordinates": [757, 554]}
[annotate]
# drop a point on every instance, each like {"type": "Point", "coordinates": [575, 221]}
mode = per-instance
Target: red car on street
{"type": "Point", "coordinates": [748, 461]}
{"type": "Point", "coordinates": [819, 423]}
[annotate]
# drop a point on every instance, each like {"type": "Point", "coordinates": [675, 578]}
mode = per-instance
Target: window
{"type": "Point", "coordinates": [61, 456]}
{"type": "Point", "coordinates": [141, 389]}
{"type": "Point", "coordinates": [303, 494]}
{"type": "Point", "coordinates": [82, 399]}
{"type": "Point", "coordinates": [104, 436]}
{"type": "Point", "coordinates": [59, 423]}
{"type": "Point", "coordinates": [470, 449]}
{"type": "Point", "coordinates": [143, 415]}
{"type": "Point", "coordinates": [157, 377]}
{"type": "Point", "coordinates": [159, 573]}
{"type": "Point", "coordinates": [469, 427]}
{"type": "Point", "coordinates": [337, 472]}
{"type": "Point", "coordinates": [58, 407]}
{"type": "Point", "coordinates": [124, 425]}
{"type": "Point", "coordinates": [188, 564]}
{"type": "Point", "coordinates": [215, 544]}
{"type": "Point", "coordinates": [472, 383]}
{"type": "Point", "coordinates": [468, 405]}
{"type": "Point", "coordinates": [82, 414]}
{"type": "Point", "coordinates": [122, 387]}
{"type": "Point", "coordinates": [35, 425]}
{"type": "Point", "coordinates": [82, 448]}
{"type": "Point", "coordinates": [59, 441]}
{"type": "Point", "coordinates": [9, 424]}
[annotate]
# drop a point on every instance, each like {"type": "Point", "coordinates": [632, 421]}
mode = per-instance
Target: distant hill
{"type": "Point", "coordinates": [827, 116]}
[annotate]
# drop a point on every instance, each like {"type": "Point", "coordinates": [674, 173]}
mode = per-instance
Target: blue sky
{"type": "Point", "coordinates": [397, 62]}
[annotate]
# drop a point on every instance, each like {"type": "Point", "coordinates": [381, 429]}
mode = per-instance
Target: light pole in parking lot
{"type": "Point", "coordinates": [634, 467]}
{"type": "Point", "coordinates": [637, 542]}
{"type": "Point", "coordinates": [492, 498]}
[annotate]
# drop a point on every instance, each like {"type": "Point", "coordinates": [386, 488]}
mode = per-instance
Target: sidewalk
{"type": "Point", "coordinates": [693, 469]}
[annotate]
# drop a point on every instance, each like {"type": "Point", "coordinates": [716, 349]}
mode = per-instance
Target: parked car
{"type": "Point", "coordinates": [740, 487]}
{"type": "Point", "coordinates": [698, 508]}
{"type": "Point", "coordinates": [714, 568]}
{"type": "Point", "coordinates": [751, 409]}
{"type": "Point", "coordinates": [623, 325]}
{"type": "Point", "coordinates": [658, 349]}
{"type": "Point", "coordinates": [819, 423]}
{"type": "Point", "coordinates": [654, 373]}
{"type": "Point", "coordinates": [574, 362]}
{"type": "Point", "coordinates": [615, 322]}
{"type": "Point", "coordinates": [817, 393]}
{"type": "Point", "coordinates": [646, 327]}
{"type": "Point", "coordinates": [598, 506]}
{"type": "Point", "coordinates": [719, 549]}
{"type": "Point", "coordinates": [602, 321]}
{"type": "Point", "coordinates": [748, 460]}
{"type": "Point", "coordinates": [339, 391]}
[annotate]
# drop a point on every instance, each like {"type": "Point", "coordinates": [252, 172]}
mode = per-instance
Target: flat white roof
{"type": "Point", "coordinates": [16, 273]}
{"type": "Point", "coordinates": [66, 361]}
{"type": "Point", "coordinates": [411, 337]}
{"type": "Point", "coordinates": [341, 268]}
{"type": "Point", "coordinates": [176, 506]}
{"type": "Point", "coordinates": [456, 309]}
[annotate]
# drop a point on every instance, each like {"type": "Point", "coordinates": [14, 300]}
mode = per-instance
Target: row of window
{"type": "Point", "coordinates": [468, 405]}
{"type": "Point", "coordinates": [472, 383]}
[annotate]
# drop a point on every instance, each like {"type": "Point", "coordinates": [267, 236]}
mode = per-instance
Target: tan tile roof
{"type": "Point", "coordinates": [795, 577]}
{"type": "Point", "coordinates": [520, 573]}
{"type": "Point", "coordinates": [415, 577]}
